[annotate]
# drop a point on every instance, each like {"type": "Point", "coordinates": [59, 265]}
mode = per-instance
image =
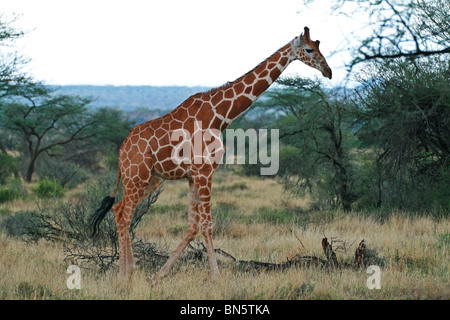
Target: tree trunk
{"type": "Point", "coordinates": [346, 197]}
{"type": "Point", "coordinates": [30, 169]}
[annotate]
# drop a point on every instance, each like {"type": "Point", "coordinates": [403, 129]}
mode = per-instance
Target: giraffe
{"type": "Point", "coordinates": [146, 155]}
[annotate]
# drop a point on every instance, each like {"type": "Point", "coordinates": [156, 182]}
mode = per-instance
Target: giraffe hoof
{"type": "Point", "coordinates": [124, 279]}
{"type": "Point", "coordinates": [216, 276]}
{"type": "Point", "coordinates": [152, 280]}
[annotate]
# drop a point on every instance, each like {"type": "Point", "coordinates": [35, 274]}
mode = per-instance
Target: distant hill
{"type": "Point", "coordinates": [139, 103]}
{"type": "Point", "coordinates": [130, 98]}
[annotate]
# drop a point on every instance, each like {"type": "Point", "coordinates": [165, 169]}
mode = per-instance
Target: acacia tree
{"type": "Point", "coordinates": [43, 121]}
{"type": "Point", "coordinates": [403, 113]}
{"type": "Point", "coordinates": [402, 102]}
{"type": "Point", "coordinates": [11, 63]}
{"type": "Point", "coordinates": [394, 29]}
{"type": "Point", "coordinates": [315, 133]}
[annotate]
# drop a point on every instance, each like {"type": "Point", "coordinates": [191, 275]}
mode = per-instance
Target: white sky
{"type": "Point", "coordinates": [166, 42]}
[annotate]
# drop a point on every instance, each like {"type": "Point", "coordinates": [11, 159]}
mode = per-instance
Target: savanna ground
{"type": "Point", "coordinates": [254, 220]}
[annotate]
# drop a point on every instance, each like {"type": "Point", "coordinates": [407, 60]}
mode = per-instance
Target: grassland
{"type": "Point", "coordinates": [254, 220]}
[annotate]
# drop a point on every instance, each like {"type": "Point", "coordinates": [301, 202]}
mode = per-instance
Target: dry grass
{"type": "Point", "coordinates": [416, 261]}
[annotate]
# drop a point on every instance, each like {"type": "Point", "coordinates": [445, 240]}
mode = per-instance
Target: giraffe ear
{"type": "Point", "coordinates": [305, 35]}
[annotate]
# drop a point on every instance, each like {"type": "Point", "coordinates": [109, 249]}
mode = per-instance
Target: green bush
{"type": "Point", "coordinates": [67, 174]}
{"type": "Point", "coordinates": [47, 188]}
{"type": "Point", "coordinates": [7, 195]}
{"type": "Point", "coordinates": [280, 215]}
{"type": "Point", "coordinates": [111, 160]}
{"type": "Point", "coordinates": [12, 191]}
{"type": "Point", "coordinates": [8, 165]}
{"type": "Point", "coordinates": [20, 224]}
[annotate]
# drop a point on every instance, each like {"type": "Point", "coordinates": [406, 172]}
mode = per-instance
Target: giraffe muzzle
{"type": "Point", "coordinates": [326, 72]}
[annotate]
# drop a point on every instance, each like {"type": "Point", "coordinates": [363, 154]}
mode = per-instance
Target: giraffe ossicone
{"type": "Point", "coordinates": [146, 157]}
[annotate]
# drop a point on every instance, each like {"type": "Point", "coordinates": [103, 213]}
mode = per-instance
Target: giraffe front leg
{"type": "Point", "coordinates": [203, 191]}
{"type": "Point", "coordinates": [193, 226]}
{"type": "Point", "coordinates": [206, 223]}
{"type": "Point", "coordinates": [190, 234]}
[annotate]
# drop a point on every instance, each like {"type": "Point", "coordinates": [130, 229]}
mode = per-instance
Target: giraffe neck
{"type": "Point", "coordinates": [230, 100]}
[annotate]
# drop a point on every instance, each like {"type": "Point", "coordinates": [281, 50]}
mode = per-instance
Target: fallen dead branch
{"type": "Point", "coordinates": [331, 261]}
{"type": "Point", "coordinates": [359, 253]}
{"type": "Point", "coordinates": [251, 265]}
{"type": "Point", "coordinates": [329, 253]}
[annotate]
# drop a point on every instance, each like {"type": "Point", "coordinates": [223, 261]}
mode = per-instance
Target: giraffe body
{"type": "Point", "coordinates": [146, 157]}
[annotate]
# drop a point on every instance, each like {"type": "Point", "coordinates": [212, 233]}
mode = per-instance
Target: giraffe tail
{"type": "Point", "coordinates": [101, 212]}
{"type": "Point", "coordinates": [117, 185]}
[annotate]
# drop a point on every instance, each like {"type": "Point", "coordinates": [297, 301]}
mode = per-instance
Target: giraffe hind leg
{"type": "Point", "coordinates": [122, 228]}
{"type": "Point", "coordinates": [123, 212]}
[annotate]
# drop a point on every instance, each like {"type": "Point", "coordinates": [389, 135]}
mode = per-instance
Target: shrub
{"type": "Point", "coordinates": [280, 215]}
{"type": "Point", "coordinates": [47, 188]}
{"type": "Point", "coordinates": [7, 195]}
{"type": "Point", "coordinates": [21, 224]}
{"type": "Point", "coordinates": [8, 165]}
{"type": "Point", "coordinates": [70, 223]}
{"type": "Point", "coordinates": [66, 173]}
{"type": "Point", "coordinates": [13, 190]}
{"type": "Point", "coordinates": [111, 160]}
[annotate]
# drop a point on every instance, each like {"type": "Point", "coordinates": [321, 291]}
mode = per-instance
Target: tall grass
{"type": "Point", "coordinates": [255, 222]}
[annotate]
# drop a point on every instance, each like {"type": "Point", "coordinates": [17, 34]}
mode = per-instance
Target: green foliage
{"type": "Point", "coordinates": [111, 160]}
{"type": "Point", "coordinates": [399, 28]}
{"type": "Point", "coordinates": [62, 128]}
{"type": "Point", "coordinates": [403, 114]}
{"type": "Point", "coordinates": [288, 157]}
{"type": "Point", "coordinates": [8, 165]}
{"type": "Point", "coordinates": [20, 224]}
{"type": "Point", "coordinates": [67, 174]}
{"type": "Point", "coordinates": [11, 62]}
{"type": "Point", "coordinates": [41, 121]}
{"type": "Point", "coordinates": [7, 195]}
{"type": "Point", "coordinates": [316, 134]}
{"type": "Point", "coordinates": [251, 165]}
{"type": "Point", "coordinates": [111, 128]}
{"type": "Point", "coordinates": [47, 188]}
{"type": "Point", "coordinates": [285, 215]}
{"type": "Point", "coordinates": [12, 191]}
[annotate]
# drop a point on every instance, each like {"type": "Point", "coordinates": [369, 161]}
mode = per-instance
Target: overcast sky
{"type": "Point", "coordinates": [169, 42]}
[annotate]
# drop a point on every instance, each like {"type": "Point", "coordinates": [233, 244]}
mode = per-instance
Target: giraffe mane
{"type": "Point", "coordinates": [229, 84]}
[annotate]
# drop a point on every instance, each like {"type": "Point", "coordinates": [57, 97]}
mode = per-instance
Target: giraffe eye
{"type": "Point", "coordinates": [309, 50]}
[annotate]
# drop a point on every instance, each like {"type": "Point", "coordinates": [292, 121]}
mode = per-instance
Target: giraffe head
{"type": "Point", "coordinates": [308, 52]}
